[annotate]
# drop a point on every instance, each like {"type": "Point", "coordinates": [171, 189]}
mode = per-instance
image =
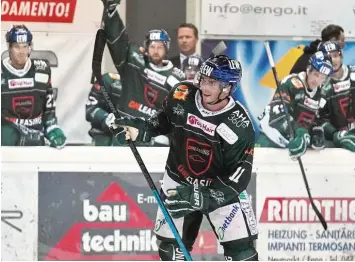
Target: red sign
{"type": "Point", "coordinates": [52, 11]}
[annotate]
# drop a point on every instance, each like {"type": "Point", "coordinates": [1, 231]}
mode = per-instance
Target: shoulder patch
{"type": "Point", "coordinates": [141, 49]}
{"type": "Point", "coordinates": [227, 134]}
{"type": "Point", "coordinates": [296, 82]}
{"type": "Point", "coordinates": [181, 92]}
{"type": "Point", "coordinates": [40, 64]}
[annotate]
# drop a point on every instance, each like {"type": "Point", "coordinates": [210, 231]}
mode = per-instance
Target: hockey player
{"type": "Point", "coordinates": [146, 77]}
{"type": "Point", "coordinates": [191, 65]}
{"type": "Point", "coordinates": [302, 96]}
{"type": "Point", "coordinates": [28, 106]}
{"type": "Point", "coordinates": [210, 160]}
{"type": "Point", "coordinates": [97, 109]}
{"type": "Point", "coordinates": [338, 117]}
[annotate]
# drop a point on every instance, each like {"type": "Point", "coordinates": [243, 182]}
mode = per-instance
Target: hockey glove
{"type": "Point", "coordinates": [186, 199]}
{"type": "Point", "coordinates": [318, 138]}
{"type": "Point", "coordinates": [56, 138]}
{"type": "Point", "coordinates": [298, 146]}
{"type": "Point", "coordinates": [345, 139]}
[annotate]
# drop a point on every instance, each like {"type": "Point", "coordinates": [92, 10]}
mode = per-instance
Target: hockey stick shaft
{"type": "Point", "coordinates": [100, 43]}
{"type": "Point", "coordinates": [292, 133]}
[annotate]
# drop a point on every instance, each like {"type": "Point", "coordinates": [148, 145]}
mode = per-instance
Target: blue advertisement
{"type": "Point", "coordinates": [258, 84]}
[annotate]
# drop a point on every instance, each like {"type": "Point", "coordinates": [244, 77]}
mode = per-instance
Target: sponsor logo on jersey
{"type": "Point", "coordinates": [150, 95]}
{"type": "Point", "coordinates": [26, 122]}
{"type": "Point", "coordinates": [178, 110]}
{"type": "Point", "coordinates": [41, 78]}
{"type": "Point", "coordinates": [239, 120]}
{"type": "Point", "coordinates": [311, 103]}
{"type": "Point", "coordinates": [191, 180]}
{"type": "Point", "coordinates": [21, 83]}
{"type": "Point", "coordinates": [154, 76]}
{"type": "Point", "coordinates": [23, 106]}
{"type": "Point", "coordinates": [227, 221]}
{"type": "Point", "coordinates": [205, 126]}
{"type": "Point", "coordinates": [181, 92]}
{"type": "Point", "coordinates": [296, 82]}
{"type": "Point", "coordinates": [341, 86]}
{"type": "Point", "coordinates": [141, 108]}
{"type": "Point", "coordinates": [178, 72]}
{"type": "Point", "coordinates": [227, 134]}
{"type": "Point", "coordinates": [206, 70]}
{"type": "Point", "coordinates": [40, 64]}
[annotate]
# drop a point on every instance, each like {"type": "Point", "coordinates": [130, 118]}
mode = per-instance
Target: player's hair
{"type": "Point", "coordinates": [191, 26]}
{"type": "Point", "coordinates": [331, 31]}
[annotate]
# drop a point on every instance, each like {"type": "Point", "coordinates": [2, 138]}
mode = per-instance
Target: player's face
{"type": "Point", "coordinates": [211, 90]}
{"type": "Point", "coordinates": [190, 73]}
{"type": "Point", "coordinates": [187, 40]}
{"type": "Point", "coordinates": [19, 53]}
{"type": "Point", "coordinates": [336, 60]}
{"type": "Point", "coordinates": [315, 78]}
{"type": "Point", "coordinates": [156, 52]}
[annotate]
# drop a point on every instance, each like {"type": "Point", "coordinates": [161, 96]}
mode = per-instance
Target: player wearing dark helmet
{"type": "Point", "coordinates": [27, 101]}
{"type": "Point", "coordinates": [210, 160]}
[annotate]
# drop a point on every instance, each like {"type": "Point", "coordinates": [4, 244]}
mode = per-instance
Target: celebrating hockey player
{"type": "Point", "coordinates": [97, 109]}
{"type": "Point", "coordinates": [210, 160]}
{"type": "Point", "coordinates": [338, 116]}
{"type": "Point", "coordinates": [146, 77]}
{"type": "Point", "coordinates": [28, 105]}
{"type": "Point", "coordinates": [302, 96]}
{"type": "Point", "coordinates": [191, 65]}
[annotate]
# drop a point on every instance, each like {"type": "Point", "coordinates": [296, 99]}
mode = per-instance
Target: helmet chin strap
{"type": "Point", "coordinates": [219, 100]}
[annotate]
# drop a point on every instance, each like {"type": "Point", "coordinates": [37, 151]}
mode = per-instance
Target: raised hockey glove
{"type": "Point", "coordinates": [56, 138]}
{"type": "Point", "coordinates": [318, 138]}
{"type": "Point", "coordinates": [298, 146]}
{"type": "Point", "coordinates": [186, 199]}
{"type": "Point", "coordinates": [135, 128]}
{"type": "Point", "coordinates": [345, 139]}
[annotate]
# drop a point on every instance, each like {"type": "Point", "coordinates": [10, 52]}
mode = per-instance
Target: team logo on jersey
{"type": "Point", "coordinates": [181, 92]}
{"type": "Point", "coordinates": [150, 95]}
{"type": "Point", "coordinates": [199, 156]}
{"type": "Point", "coordinates": [21, 83]}
{"type": "Point", "coordinates": [23, 106]}
{"type": "Point", "coordinates": [205, 126]}
{"type": "Point", "coordinates": [296, 82]}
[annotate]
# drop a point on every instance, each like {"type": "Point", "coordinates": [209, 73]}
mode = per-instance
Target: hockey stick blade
{"type": "Point", "coordinates": [291, 131]}
{"type": "Point", "coordinates": [99, 48]}
{"type": "Point", "coordinates": [219, 48]}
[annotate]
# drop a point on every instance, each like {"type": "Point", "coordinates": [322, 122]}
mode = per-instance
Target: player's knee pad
{"type": "Point", "coordinates": [170, 251]}
{"type": "Point", "coordinates": [239, 251]}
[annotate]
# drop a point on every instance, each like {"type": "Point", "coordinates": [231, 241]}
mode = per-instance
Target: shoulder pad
{"type": "Point", "coordinates": [296, 82]}
{"type": "Point", "coordinates": [41, 65]}
{"type": "Point", "coordinates": [182, 91]}
{"type": "Point", "coordinates": [178, 73]}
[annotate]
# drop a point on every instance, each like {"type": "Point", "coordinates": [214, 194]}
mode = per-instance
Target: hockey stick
{"type": "Point", "coordinates": [99, 47]}
{"type": "Point", "coordinates": [292, 134]}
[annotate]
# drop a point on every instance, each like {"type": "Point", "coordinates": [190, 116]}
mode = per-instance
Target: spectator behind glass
{"type": "Point", "coordinates": [331, 32]}
{"type": "Point", "coordinates": [187, 37]}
